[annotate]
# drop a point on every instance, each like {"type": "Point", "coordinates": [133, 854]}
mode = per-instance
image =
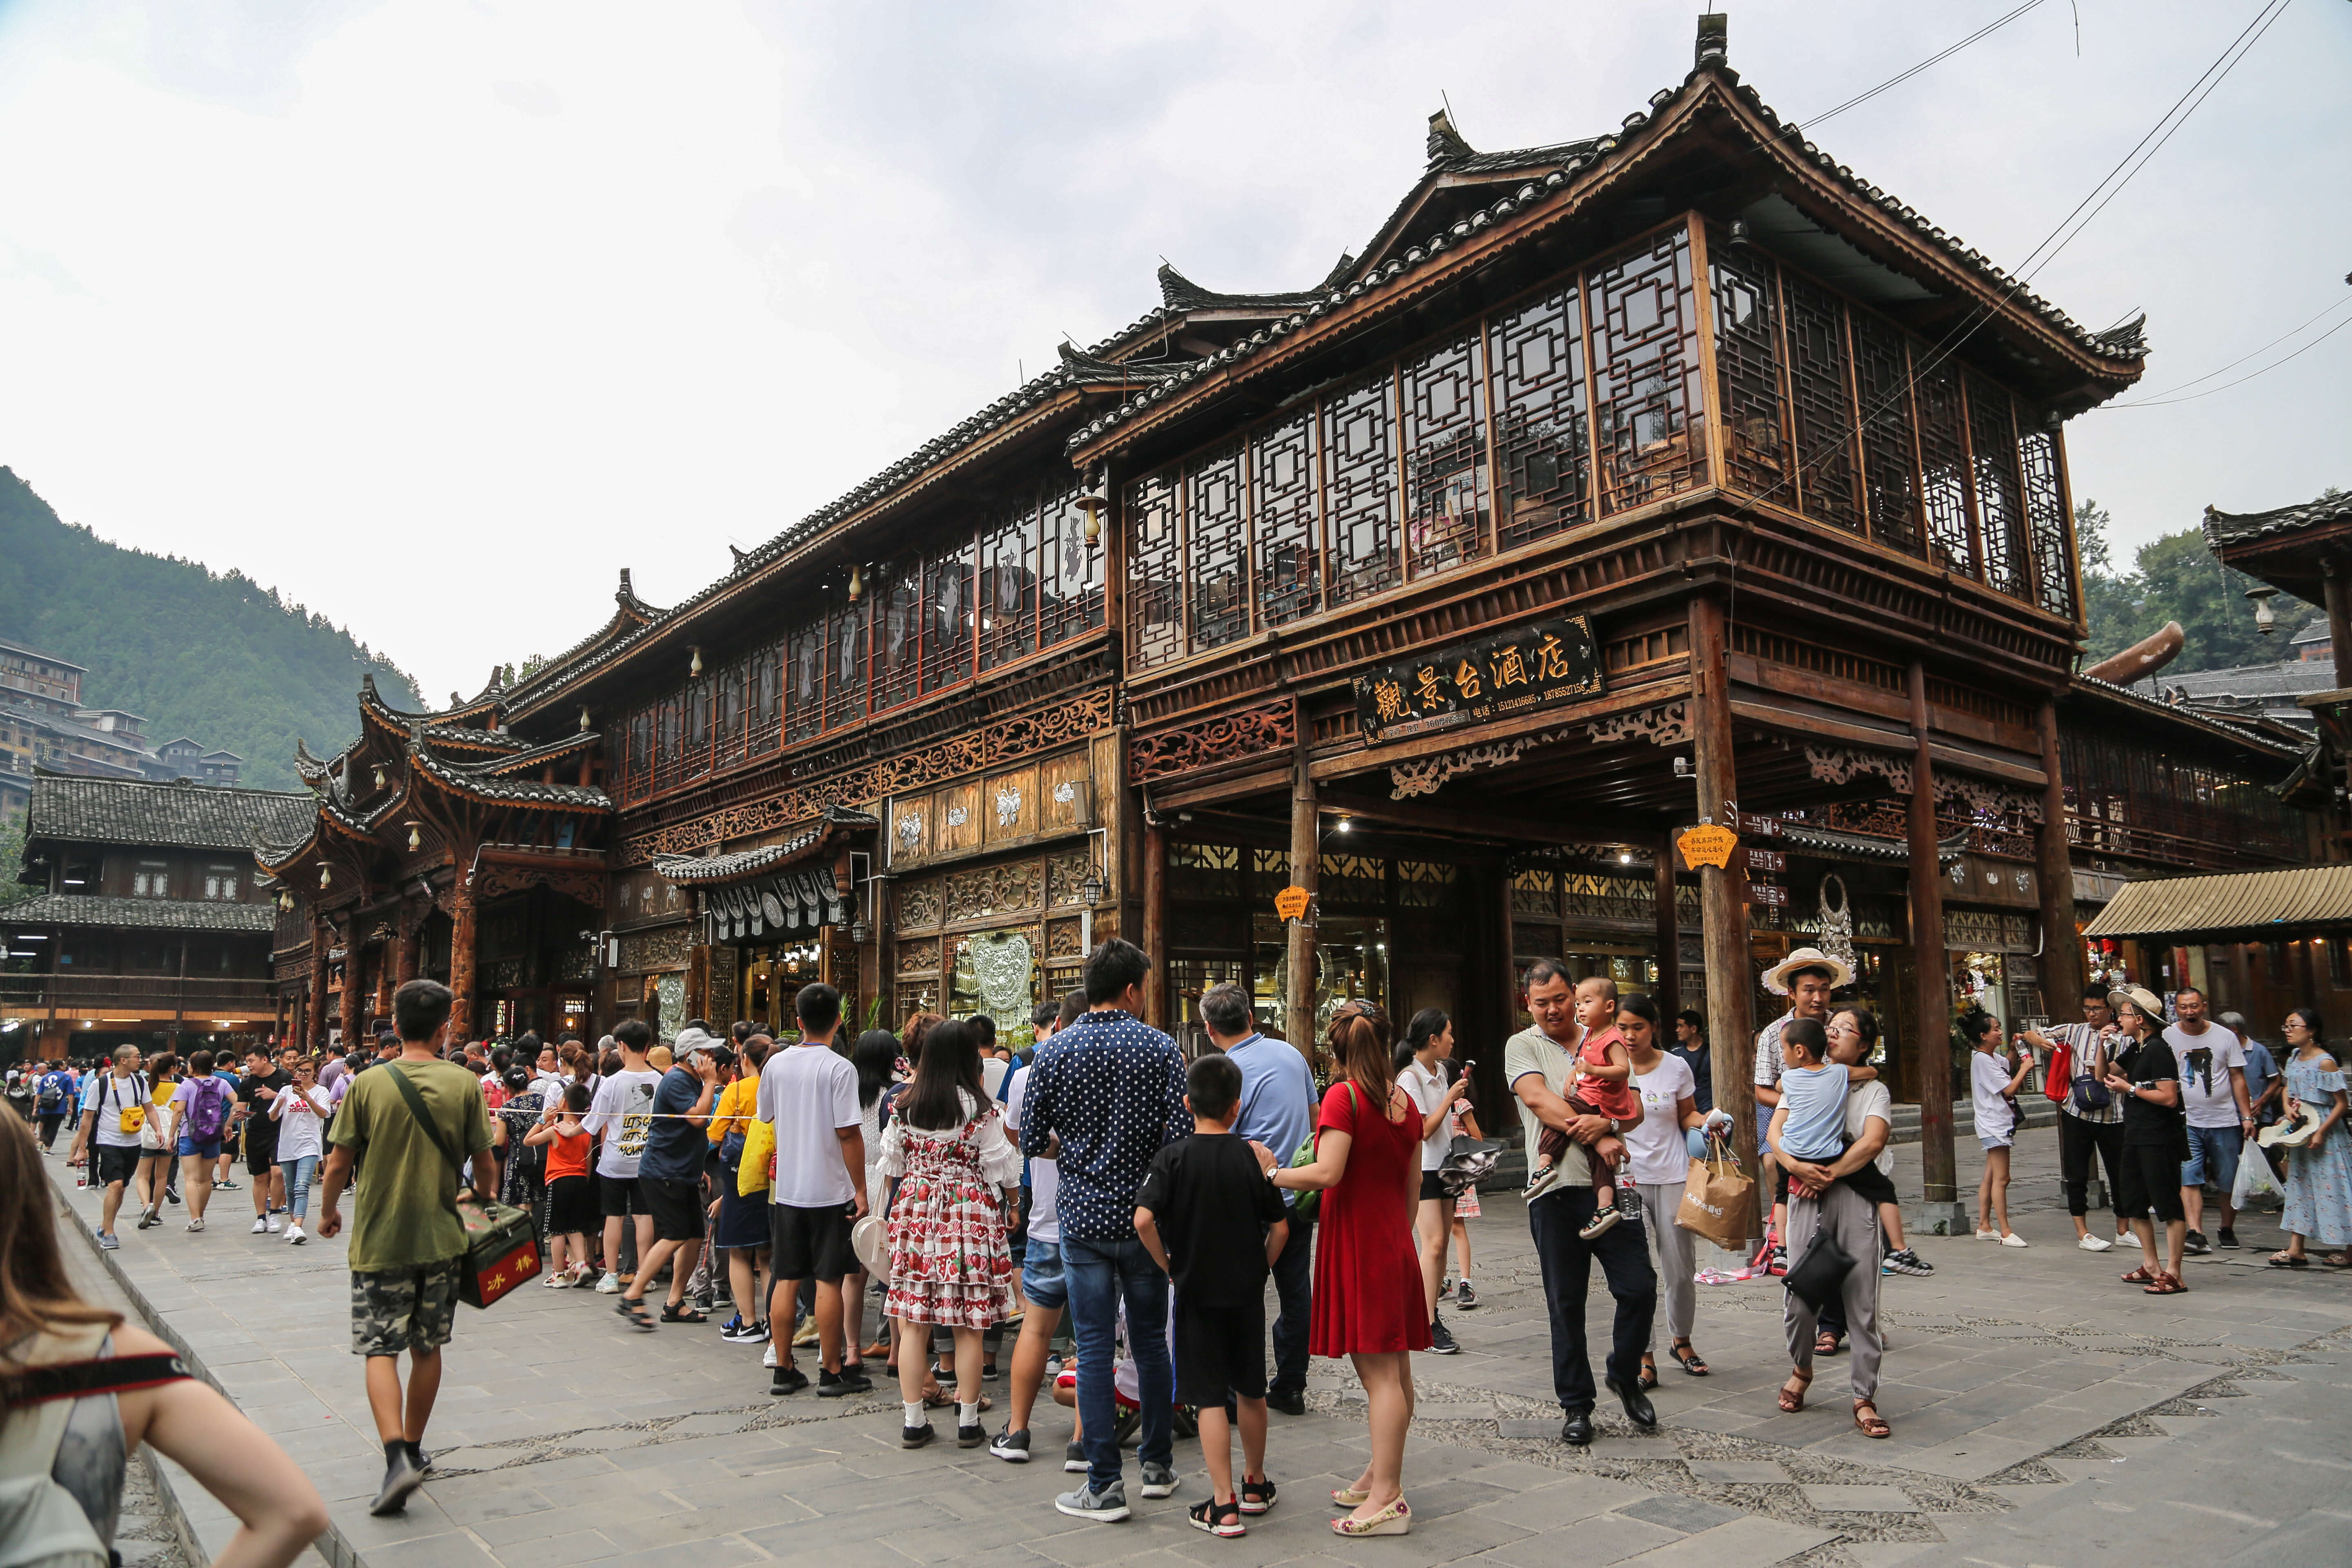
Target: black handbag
{"type": "Point", "coordinates": [1818, 1277]}
{"type": "Point", "coordinates": [501, 1242]}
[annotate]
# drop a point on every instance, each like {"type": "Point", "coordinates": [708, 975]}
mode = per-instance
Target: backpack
{"type": "Point", "coordinates": [53, 1093]}
{"type": "Point", "coordinates": [207, 1109]}
{"type": "Point", "coordinates": [42, 1525]}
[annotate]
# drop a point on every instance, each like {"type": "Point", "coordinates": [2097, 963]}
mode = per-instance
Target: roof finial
{"type": "Point", "coordinates": [1445, 142]}
{"type": "Point", "coordinates": [1714, 46]}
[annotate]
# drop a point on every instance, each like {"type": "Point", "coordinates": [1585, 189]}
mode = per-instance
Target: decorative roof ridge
{"type": "Point", "coordinates": [1181, 295]}
{"type": "Point", "coordinates": [449, 775]}
{"type": "Point", "coordinates": [2230, 527]}
{"type": "Point", "coordinates": [498, 767]}
{"type": "Point", "coordinates": [1085, 370]}
{"type": "Point", "coordinates": [2235, 732]}
{"type": "Point", "coordinates": [629, 612]}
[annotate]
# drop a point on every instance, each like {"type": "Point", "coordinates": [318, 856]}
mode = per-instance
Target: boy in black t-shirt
{"type": "Point", "coordinates": [1208, 1215]}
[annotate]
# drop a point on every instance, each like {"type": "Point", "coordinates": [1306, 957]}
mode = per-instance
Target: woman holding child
{"type": "Point", "coordinates": [1368, 1303]}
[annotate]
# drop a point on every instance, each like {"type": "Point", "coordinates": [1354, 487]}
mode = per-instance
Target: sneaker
{"type": "Point", "coordinates": [196, 1223]}
{"type": "Point", "coordinates": [401, 1480]}
{"type": "Point", "coordinates": [792, 1380]}
{"type": "Point", "coordinates": [970, 1437]}
{"type": "Point", "coordinates": [1441, 1340]}
{"type": "Point", "coordinates": [227, 1187]}
{"type": "Point", "coordinates": [735, 1331]}
{"type": "Point", "coordinates": [610, 1285]}
{"type": "Point", "coordinates": [1903, 1260]}
{"type": "Point", "coordinates": [1445, 1289]}
{"type": "Point", "coordinates": [916, 1436]}
{"type": "Point", "coordinates": [1465, 1296]}
{"type": "Point", "coordinates": [2013, 1239]}
{"type": "Point", "coordinates": [2197, 1246]}
{"type": "Point", "coordinates": [702, 1302]}
{"type": "Point", "coordinates": [805, 1335]}
{"type": "Point", "coordinates": [769, 1357]}
{"type": "Point", "coordinates": [108, 1241]}
{"type": "Point", "coordinates": [294, 1236]}
{"type": "Point", "coordinates": [1108, 1505]}
{"type": "Point", "coordinates": [1159, 1479]}
{"type": "Point", "coordinates": [172, 1194]}
{"type": "Point", "coordinates": [423, 1460]}
{"type": "Point", "coordinates": [1011, 1447]}
{"type": "Point", "coordinates": [1601, 1221]}
{"type": "Point", "coordinates": [1780, 1264]}
{"type": "Point", "coordinates": [260, 1225]}
{"type": "Point", "coordinates": [841, 1384]}
{"type": "Point", "coordinates": [2228, 1238]}
{"type": "Point", "coordinates": [275, 1224]}
{"type": "Point", "coordinates": [1073, 1459]}
{"type": "Point", "coordinates": [1984, 1235]}
{"type": "Point", "coordinates": [2095, 1244]}
{"type": "Point", "coordinates": [148, 1217]}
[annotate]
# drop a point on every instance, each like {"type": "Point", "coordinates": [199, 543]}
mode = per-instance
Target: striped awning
{"type": "Point", "coordinates": [2258, 904]}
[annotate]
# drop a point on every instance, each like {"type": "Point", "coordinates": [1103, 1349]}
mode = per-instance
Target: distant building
{"type": "Point", "coordinates": [43, 723]}
{"type": "Point", "coordinates": [2245, 691]}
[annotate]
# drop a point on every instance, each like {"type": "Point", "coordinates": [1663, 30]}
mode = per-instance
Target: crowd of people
{"type": "Point", "coordinates": [1117, 1214]}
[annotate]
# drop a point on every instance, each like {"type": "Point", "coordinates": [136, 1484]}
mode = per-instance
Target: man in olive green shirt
{"type": "Point", "coordinates": [407, 1239]}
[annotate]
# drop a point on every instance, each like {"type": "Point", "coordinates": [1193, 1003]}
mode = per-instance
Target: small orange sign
{"type": "Point", "coordinates": [1707, 845]}
{"type": "Point", "coordinates": [1290, 903]}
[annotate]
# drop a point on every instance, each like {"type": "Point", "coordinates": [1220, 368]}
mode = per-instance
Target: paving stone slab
{"type": "Point", "coordinates": [1861, 1500]}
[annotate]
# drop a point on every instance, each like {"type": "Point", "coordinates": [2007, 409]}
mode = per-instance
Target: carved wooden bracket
{"type": "Point", "coordinates": [1232, 737]}
{"type": "Point", "coordinates": [1843, 765]}
{"type": "Point", "coordinates": [1666, 725]}
{"type": "Point", "coordinates": [1429, 774]}
{"type": "Point", "coordinates": [1989, 799]}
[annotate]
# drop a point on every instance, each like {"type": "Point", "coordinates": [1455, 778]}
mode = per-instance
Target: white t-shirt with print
{"type": "Point", "coordinates": [1864, 1101]}
{"type": "Point", "coordinates": [2207, 1096]}
{"type": "Point", "coordinates": [809, 1093]}
{"type": "Point", "coordinates": [301, 1122]}
{"type": "Point", "coordinates": [1426, 1086]}
{"type": "Point", "coordinates": [1659, 1155]}
{"type": "Point", "coordinates": [1989, 1075]}
{"type": "Point", "coordinates": [1045, 1175]}
{"type": "Point", "coordinates": [623, 1113]}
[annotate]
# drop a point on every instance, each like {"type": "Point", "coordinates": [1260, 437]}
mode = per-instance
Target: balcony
{"type": "Point", "coordinates": [195, 996]}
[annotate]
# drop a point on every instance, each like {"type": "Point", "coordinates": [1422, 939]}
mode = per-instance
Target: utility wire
{"type": "Point", "coordinates": [1860, 99]}
{"type": "Point", "coordinates": [2241, 359]}
{"type": "Point", "coordinates": [2161, 402]}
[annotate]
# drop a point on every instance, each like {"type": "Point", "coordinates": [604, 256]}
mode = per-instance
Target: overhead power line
{"type": "Point", "coordinates": [2161, 402]}
{"type": "Point", "coordinates": [1938, 59]}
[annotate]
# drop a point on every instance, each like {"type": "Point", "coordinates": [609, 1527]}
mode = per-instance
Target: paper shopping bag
{"type": "Point", "coordinates": [1717, 1199]}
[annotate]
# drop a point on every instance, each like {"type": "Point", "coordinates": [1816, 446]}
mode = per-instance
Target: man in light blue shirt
{"type": "Point", "coordinates": [1277, 1110]}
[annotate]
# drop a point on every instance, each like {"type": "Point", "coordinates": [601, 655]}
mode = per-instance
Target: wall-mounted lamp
{"type": "Point", "coordinates": [1347, 824]}
{"type": "Point", "coordinates": [694, 665]}
{"type": "Point", "coordinates": [1739, 232]}
{"type": "Point", "coordinates": [285, 900]}
{"type": "Point", "coordinates": [2265, 622]}
{"type": "Point", "coordinates": [415, 841]}
{"type": "Point", "coordinates": [1091, 889]}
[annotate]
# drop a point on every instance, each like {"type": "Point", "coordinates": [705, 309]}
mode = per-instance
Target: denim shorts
{"type": "Point", "coordinates": [1994, 1140]}
{"type": "Point", "coordinates": [200, 1148]}
{"type": "Point", "coordinates": [2212, 1157]}
{"type": "Point", "coordinates": [1041, 1276]}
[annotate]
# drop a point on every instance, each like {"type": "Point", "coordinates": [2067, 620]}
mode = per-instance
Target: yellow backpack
{"type": "Point", "coordinates": [754, 1174]}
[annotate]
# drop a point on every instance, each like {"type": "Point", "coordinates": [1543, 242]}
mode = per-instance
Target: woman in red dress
{"type": "Point", "coordinates": [1368, 1303]}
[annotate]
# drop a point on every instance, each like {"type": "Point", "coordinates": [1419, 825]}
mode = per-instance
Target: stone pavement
{"type": "Point", "coordinates": [2043, 1414]}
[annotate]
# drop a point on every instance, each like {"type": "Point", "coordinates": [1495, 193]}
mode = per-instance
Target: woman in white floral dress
{"type": "Point", "coordinates": [950, 1261]}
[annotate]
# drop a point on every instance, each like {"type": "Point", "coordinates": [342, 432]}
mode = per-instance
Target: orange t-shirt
{"type": "Point", "coordinates": [1609, 1097]}
{"type": "Point", "coordinates": [567, 1155]}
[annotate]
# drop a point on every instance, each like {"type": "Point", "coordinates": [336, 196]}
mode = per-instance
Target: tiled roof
{"type": "Point", "coordinates": [2287, 677]}
{"type": "Point", "coordinates": [167, 914]}
{"type": "Point", "coordinates": [2234, 902]}
{"type": "Point", "coordinates": [629, 612]}
{"type": "Point", "coordinates": [766, 856]}
{"type": "Point", "coordinates": [518, 792]}
{"type": "Point", "coordinates": [2236, 527]}
{"type": "Point", "coordinates": [2221, 728]}
{"type": "Point", "coordinates": [182, 813]}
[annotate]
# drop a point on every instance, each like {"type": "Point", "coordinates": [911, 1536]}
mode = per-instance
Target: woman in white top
{"type": "Point", "coordinates": [302, 1114]}
{"type": "Point", "coordinates": [1658, 1149]}
{"type": "Point", "coordinates": [1428, 1041]}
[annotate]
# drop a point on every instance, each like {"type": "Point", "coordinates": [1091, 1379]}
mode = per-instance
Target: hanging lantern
{"type": "Point", "coordinates": [583, 717]}
{"type": "Point", "coordinates": [694, 666]}
{"type": "Point", "coordinates": [322, 876]}
{"type": "Point", "coordinates": [856, 585]}
{"type": "Point", "coordinates": [379, 775]}
{"type": "Point", "coordinates": [415, 841]}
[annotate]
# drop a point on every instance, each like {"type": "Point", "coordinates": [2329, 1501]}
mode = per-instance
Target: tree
{"type": "Point", "coordinates": [2175, 577]}
{"type": "Point", "coordinates": [12, 859]}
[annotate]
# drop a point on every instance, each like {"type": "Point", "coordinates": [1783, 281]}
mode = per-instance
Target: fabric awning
{"type": "Point", "coordinates": [2235, 902]}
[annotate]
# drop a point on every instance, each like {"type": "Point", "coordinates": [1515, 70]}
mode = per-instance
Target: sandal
{"type": "Point", "coordinates": [1793, 1400]}
{"type": "Point", "coordinates": [1681, 1351]}
{"type": "Point", "coordinates": [1827, 1343]}
{"type": "Point", "coordinates": [2288, 1260]}
{"type": "Point", "coordinates": [2165, 1284]}
{"type": "Point", "coordinates": [1256, 1497]}
{"type": "Point", "coordinates": [1394, 1520]}
{"type": "Point", "coordinates": [2142, 1275]}
{"type": "Point", "coordinates": [635, 1312]}
{"type": "Point", "coordinates": [1872, 1425]}
{"type": "Point", "coordinates": [682, 1313]}
{"type": "Point", "coordinates": [1217, 1518]}
{"type": "Point", "coordinates": [2336, 1260]}
{"type": "Point", "coordinates": [1649, 1378]}
{"type": "Point", "coordinates": [940, 1399]}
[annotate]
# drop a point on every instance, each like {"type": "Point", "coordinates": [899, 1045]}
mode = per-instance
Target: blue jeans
{"type": "Point", "coordinates": [1294, 1287]}
{"type": "Point", "coordinates": [2213, 1157]}
{"type": "Point", "coordinates": [298, 1171]}
{"type": "Point", "coordinates": [1098, 1274]}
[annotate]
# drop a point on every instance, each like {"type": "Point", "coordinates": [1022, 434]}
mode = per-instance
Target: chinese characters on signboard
{"type": "Point", "coordinates": [1490, 679]}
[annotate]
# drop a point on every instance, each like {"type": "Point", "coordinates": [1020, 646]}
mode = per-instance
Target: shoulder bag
{"type": "Point", "coordinates": [501, 1244]}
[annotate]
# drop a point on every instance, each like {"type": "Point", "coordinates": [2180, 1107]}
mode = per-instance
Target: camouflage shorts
{"type": "Point", "coordinates": [404, 1309]}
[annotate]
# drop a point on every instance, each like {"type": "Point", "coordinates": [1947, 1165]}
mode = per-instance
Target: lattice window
{"type": "Point", "coordinates": [695, 741]}
{"type": "Point", "coordinates": [844, 684]}
{"type": "Point", "coordinates": [1445, 394]}
{"type": "Point", "coordinates": [1351, 880]}
{"type": "Point", "coordinates": [947, 627]}
{"type": "Point", "coordinates": [1890, 478]}
{"type": "Point", "coordinates": [898, 635]}
{"type": "Point", "coordinates": [669, 750]}
{"type": "Point", "coordinates": [1815, 327]}
{"type": "Point", "coordinates": [726, 714]}
{"type": "Point", "coordinates": [1425, 884]}
{"type": "Point", "coordinates": [764, 726]}
{"type": "Point", "coordinates": [1748, 367]}
{"type": "Point", "coordinates": [2000, 505]}
{"type": "Point", "coordinates": [2047, 526]}
{"type": "Point", "coordinates": [805, 681]}
{"type": "Point", "coordinates": [1155, 624]}
{"type": "Point", "coordinates": [1944, 475]}
{"type": "Point", "coordinates": [1216, 550]}
{"type": "Point", "coordinates": [1542, 438]}
{"type": "Point", "coordinates": [1008, 589]}
{"type": "Point", "coordinates": [1285, 537]}
{"type": "Point", "coordinates": [1652, 421]}
{"type": "Point", "coordinates": [1359, 490]}
{"type": "Point", "coordinates": [1205, 872]}
{"type": "Point", "coordinates": [1593, 896]}
{"type": "Point", "coordinates": [1535, 891]}
{"type": "Point", "coordinates": [1070, 581]}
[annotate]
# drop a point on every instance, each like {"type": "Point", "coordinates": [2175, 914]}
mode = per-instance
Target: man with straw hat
{"type": "Point", "coordinates": [1806, 977]}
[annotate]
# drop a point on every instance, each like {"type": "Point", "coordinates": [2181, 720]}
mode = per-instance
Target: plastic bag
{"type": "Point", "coordinates": [2254, 1178]}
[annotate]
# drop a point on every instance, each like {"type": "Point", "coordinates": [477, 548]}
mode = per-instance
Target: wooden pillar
{"type": "Point", "coordinates": [461, 959]}
{"type": "Point", "coordinates": [1306, 861]}
{"type": "Point", "coordinates": [1931, 1024]}
{"type": "Point", "coordinates": [408, 944]}
{"type": "Point", "coordinates": [314, 1023]}
{"type": "Point", "coordinates": [1731, 1039]}
{"type": "Point", "coordinates": [1155, 924]}
{"type": "Point", "coordinates": [2061, 948]}
{"type": "Point", "coordinates": [180, 996]}
{"type": "Point", "coordinates": [2339, 620]}
{"type": "Point", "coordinates": [1669, 992]}
{"type": "Point", "coordinates": [351, 998]}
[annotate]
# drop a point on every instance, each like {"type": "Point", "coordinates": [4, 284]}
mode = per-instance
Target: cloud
{"type": "Point", "coordinates": [534, 98]}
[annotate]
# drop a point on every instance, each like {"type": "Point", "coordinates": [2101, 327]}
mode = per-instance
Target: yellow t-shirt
{"type": "Point", "coordinates": [735, 1106]}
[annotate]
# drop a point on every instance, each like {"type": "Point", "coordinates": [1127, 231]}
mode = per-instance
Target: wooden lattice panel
{"type": "Point", "coordinates": [1444, 401]}
{"type": "Point", "coordinates": [1890, 474]}
{"type": "Point", "coordinates": [1216, 543]}
{"type": "Point", "coordinates": [1944, 475]}
{"type": "Point", "coordinates": [1651, 435]}
{"type": "Point", "coordinates": [1286, 546]}
{"type": "Point", "coordinates": [1008, 589]}
{"type": "Point", "coordinates": [844, 678]}
{"type": "Point", "coordinates": [1747, 373]}
{"type": "Point", "coordinates": [1541, 442]}
{"type": "Point", "coordinates": [2048, 531]}
{"type": "Point", "coordinates": [2001, 504]}
{"type": "Point", "coordinates": [947, 625]}
{"type": "Point", "coordinates": [1070, 573]}
{"type": "Point", "coordinates": [1814, 328]}
{"type": "Point", "coordinates": [805, 681]}
{"type": "Point", "coordinates": [898, 635]}
{"type": "Point", "coordinates": [1155, 621]}
{"type": "Point", "coordinates": [1359, 482]}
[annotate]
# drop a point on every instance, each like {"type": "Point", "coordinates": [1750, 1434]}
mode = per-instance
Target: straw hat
{"type": "Point", "coordinates": [2143, 1000]}
{"type": "Point", "coordinates": [1775, 979]}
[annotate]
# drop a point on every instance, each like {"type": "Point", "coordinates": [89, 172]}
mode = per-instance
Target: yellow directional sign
{"type": "Point", "coordinates": [1290, 903]}
{"type": "Point", "coordinates": [1707, 845]}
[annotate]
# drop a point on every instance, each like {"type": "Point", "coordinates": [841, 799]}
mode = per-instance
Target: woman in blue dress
{"type": "Point", "coordinates": [2319, 1173]}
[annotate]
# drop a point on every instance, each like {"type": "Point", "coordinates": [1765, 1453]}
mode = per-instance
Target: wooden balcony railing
{"type": "Point", "coordinates": [196, 995]}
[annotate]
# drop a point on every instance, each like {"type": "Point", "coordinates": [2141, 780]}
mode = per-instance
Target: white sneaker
{"type": "Point", "coordinates": [275, 1225]}
{"type": "Point", "coordinates": [768, 1356]}
{"type": "Point", "coordinates": [294, 1236]}
{"type": "Point", "coordinates": [260, 1225]}
{"type": "Point", "coordinates": [610, 1285]}
{"type": "Point", "coordinates": [196, 1223]}
{"type": "Point", "coordinates": [1987, 1235]}
{"type": "Point", "coordinates": [2095, 1244]}
{"type": "Point", "coordinates": [2013, 1239]}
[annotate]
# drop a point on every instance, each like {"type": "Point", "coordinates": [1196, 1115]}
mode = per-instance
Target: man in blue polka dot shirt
{"type": "Point", "coordinates": [1104, 1095]}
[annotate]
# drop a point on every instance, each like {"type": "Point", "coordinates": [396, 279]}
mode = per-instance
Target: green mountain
{"type": "Point", "coordinates": [213, 656]}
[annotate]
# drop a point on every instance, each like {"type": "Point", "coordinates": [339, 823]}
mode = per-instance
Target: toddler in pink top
{"type": "Point", "coordinates": [1602, 1085]}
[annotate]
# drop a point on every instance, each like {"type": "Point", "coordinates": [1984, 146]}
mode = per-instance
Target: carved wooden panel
{"type": "Point", "coordinates": [1666, 725]}
{"type": "Point", "coordinates": [1444, 393]}
{"type": "Point", "coordinates": [1843, 765]}
{"type": "Point", "coordinates": [1066, 872]}
{"type": "Point", "coordinates": [721, 997]}
{"type": "Point", "coordinates": [2050, 533]}
{"type": "Point", "coordinates": [1359, 488]}
{"type": "Point", "coordinates": [652, 949]}
{"type": "Point", "coordinates": [1541, 442]}
{"type": "Point", "coordinates": [2000, 505]}
{"type": "Point", "coordinates": [914, 833]}
{"type": "Point", "coordinates": [1008, 803]}
{"type": "Point", "coordinates": [1286, 531]}
{"type": "Point", "coordinates": [1747, 370]}
{"type": "Point", "coordinates": [918, 904]}
{"type": "Point", "coordinates": [1066, 792]}
{"type": "Point", "coordinates": [1890, 478]}
{"type": "Point", "coordinates": [988, 891]}
{"type": "Point", "coordinates": [960, 809]}
{"type": "Point", "coordinates": [1821, 409]}
{"type": "Point", "coordinates": [1066, 938]}
{"type": "Point", "coordinates": [1535, 891]}
{"type": "Point", "coordinates": [918, 955]}
{"type": "Point", "coordinates": [1155, 620]}
{"type": "Point", "coordinates": [1652, 417]}
{"type": "Point", "coordinates": [1944, 476]}
{"type": "Point", "coordinates": [1216, 548]}
{"type": "Point", "coordinates": [1254, 731]}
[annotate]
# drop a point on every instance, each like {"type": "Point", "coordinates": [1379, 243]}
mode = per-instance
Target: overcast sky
{"type": "Point", "coordinates": [434, 313]}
